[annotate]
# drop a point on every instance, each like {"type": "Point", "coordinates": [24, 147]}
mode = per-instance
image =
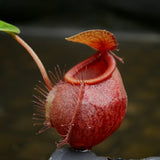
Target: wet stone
{"type": "Point", "coordinates": [70, 154]}
{"type": "Point", "coordinates": [152, 158]}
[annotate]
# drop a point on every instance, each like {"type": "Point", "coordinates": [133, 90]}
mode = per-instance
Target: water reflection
{"type": "Point", "coordinates": [137, 137]}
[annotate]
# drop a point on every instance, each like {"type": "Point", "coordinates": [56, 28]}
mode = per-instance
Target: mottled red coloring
{"type": "Point", "coordinates": [90, 103]}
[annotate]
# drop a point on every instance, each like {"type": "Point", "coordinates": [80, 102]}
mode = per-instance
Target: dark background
{"type": "Point", "coordinates": [115, 14]}
{"type": "Point", "coordinates": [44, 25]}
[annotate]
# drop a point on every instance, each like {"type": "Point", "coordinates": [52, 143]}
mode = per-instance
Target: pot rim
{"type": "Point", "coordinates": [107, 57]}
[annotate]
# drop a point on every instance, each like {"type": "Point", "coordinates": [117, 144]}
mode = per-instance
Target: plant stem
{"type": "Point", "coordinates": [35, 58]}
{"type": "Point", "coordinates": [117, 57]}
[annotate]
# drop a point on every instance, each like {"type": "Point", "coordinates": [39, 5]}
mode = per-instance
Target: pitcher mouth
{"type": "Point", "coordinates": [93, 70]}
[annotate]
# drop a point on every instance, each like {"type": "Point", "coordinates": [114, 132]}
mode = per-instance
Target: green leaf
{"type": "Point", "coordinates": [8, 28]}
